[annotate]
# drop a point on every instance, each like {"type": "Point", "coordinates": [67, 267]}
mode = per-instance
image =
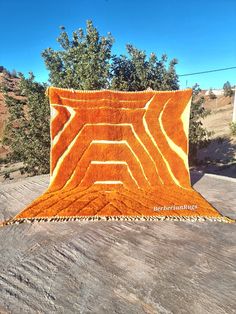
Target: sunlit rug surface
{"type": "Point", "coordinates": [119, 155]}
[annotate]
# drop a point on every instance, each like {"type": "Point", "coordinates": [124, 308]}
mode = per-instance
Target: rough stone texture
{"type": "Point", "coordinates": [118, 267]}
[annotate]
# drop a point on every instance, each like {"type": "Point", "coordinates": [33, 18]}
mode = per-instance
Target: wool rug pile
{"type": "Point", "coordinates": [119, 155]}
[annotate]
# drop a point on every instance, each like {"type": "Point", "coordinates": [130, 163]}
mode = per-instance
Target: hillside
{"type": "Point", "coordinates": [11, 82]}
{"type": "Point", "coordinates": [221, 115]}
{"type": "Point", "coordinates": [219, 156]}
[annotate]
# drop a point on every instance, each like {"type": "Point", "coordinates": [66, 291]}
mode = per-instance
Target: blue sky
{"type": "Point", "coordinates": [200, 34]}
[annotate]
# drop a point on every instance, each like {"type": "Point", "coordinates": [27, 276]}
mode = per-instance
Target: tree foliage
{"type": "Point", "coordinates": [136, 72]}
{"type": "Point", "coordinates": [27, 131]}
{"type": "Point", "coordinates": [232, 127]}
{"type": "Point", "coordinates": [211, 94]}
{"type": "Point", "coordinates": [84, 61]}
{"type": "Point", "coordinates": [2, 68]}
{"type": "Point", "coordinates": [228, 89]}
{"type": "Point", "coordinates": [198, 135]}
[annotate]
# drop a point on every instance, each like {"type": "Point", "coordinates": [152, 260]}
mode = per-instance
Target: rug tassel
{"type": "Point", "coordinates": [118, 218]}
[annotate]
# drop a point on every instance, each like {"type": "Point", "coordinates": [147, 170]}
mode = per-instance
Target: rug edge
{"type": "Point", "coordinates": [220, 218]}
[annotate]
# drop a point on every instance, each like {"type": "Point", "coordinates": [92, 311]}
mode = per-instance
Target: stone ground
{"type": "Point", "coordinates": [118, 267]}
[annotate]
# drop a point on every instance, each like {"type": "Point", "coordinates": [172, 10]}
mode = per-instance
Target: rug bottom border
{"type": "Point", "coordinates": [12, 221]}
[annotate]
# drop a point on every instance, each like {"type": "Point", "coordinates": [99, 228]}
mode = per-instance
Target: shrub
{"type": "Point", "coordinates": [27, 130]}
{"type": "Point", "coordinates": [198, 135]}
{"type": "Point", "coordinates": [232, 127]}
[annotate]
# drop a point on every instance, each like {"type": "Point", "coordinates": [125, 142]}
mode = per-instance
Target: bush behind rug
{"type": "Point", "coordinates": [119, 155]}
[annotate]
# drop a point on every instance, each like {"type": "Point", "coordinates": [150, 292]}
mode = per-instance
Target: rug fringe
{"type": "Point", "coordinates": [118, 218]}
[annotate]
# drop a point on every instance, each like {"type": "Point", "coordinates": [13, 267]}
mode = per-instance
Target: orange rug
{"type": "Point", "coordinates": [119, 155]}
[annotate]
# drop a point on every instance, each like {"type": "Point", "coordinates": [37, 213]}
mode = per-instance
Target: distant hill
{"type": "Point", "coordinates": [221, 115]}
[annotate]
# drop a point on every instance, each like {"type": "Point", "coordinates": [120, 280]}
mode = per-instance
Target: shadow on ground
{"type": "Point", "coordinates": [218, 157]}
{"type": "Point", "coordinates": [195, 176]}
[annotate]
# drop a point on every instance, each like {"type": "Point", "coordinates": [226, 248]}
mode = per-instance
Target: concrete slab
{"type": "Point", "coordinates": [118, 267]}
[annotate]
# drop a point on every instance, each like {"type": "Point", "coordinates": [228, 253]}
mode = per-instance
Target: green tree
{"type": "Point", "coordinates": [83, 62]}
{"type": "Point", "coordinates": [232, 127]}
{"type": "Point", "coordinates": [228, 89]}
{"type": "Point", "coordinates": [198, 135]}
{"type": "Point", "coordinates": [136, 72]}
{"type": "Point", "coordinates": [2, 68]}
{"type": "Point", "coordinates": [27, 130]}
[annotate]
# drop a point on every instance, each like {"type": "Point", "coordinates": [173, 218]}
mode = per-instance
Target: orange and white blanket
{"type": "Point", "coordinates": [119, 155]}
